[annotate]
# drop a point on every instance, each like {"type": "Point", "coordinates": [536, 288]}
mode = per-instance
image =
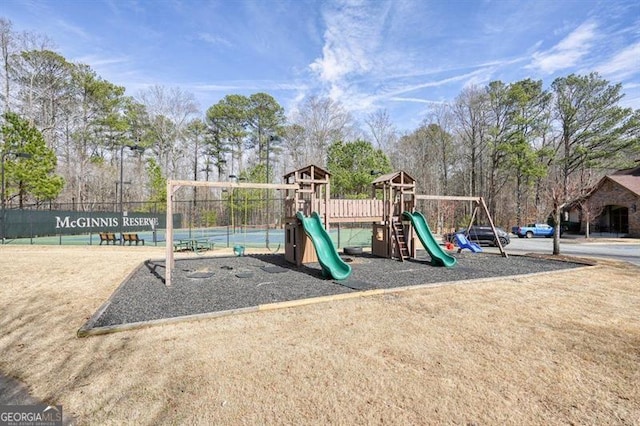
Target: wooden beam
{"type": "Point", "coordinates": [248, 185]}
{"type": "Point", "coordinates": [169, 262]}
{"type": "Point", "coordinates": [447, 197]}
{"type": "Point", "coordinates": [355, 219]}
{"type": "Point", "coordinates": [312, 180]}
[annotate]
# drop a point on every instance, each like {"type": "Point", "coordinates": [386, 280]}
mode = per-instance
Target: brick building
{"type": "Point", "coordinates": [613, 205]}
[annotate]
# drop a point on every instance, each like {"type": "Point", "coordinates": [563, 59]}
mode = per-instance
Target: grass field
{"type": "Point", "coordinates": [560, 348]}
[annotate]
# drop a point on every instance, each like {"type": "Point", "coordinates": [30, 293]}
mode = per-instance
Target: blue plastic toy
{"type": "Point", "coordinates": [464, 243]}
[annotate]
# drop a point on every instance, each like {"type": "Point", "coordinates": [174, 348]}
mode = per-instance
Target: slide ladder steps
{"type": "Point", "coordinates": [398, 233]}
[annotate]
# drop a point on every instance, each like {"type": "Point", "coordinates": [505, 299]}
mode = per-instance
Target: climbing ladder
{"type": "Point", "coordinates": [401, 242]}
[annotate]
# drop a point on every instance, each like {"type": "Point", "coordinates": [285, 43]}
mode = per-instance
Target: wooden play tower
{"type": "Point", "coordinates": [392, 238]}
{"type": "Point", "coordinates": [312, 195]}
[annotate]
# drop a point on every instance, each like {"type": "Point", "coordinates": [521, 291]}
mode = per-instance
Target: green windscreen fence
{"type": "Point", "coordinates": [20, 224]}
{"type": "Point", "coordinates": [228, 219]}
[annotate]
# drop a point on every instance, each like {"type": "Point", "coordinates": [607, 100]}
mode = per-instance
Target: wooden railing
{"type": "Point", "coordinates": [356, 209]}
{"type": "Point", "coordinates": [340, 210]}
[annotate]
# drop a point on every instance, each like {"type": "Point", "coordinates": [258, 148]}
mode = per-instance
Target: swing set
{"type": "Point", "coordinates": [308, 194]}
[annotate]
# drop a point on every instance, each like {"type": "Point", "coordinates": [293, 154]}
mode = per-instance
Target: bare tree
{"type": "Point", "coordinates": [382, 131]}
{"type": "Point", "coordinates": [324, 121]}
{"type": "Point", "coordinates": [8, 47]}
{"type": "Point", "coordinates": [591, 210]}
{"type": "Point", "coordinates": [470, 109]}
{"type": "Point", "coordinates": [440, 134]}
{"type": "Point", "coordinates": [11, 45]}
{"type": "Point", "coordinates": [170, 111]}
{"type": "Point", "coordinates": [45, 89]}
{"type": "Point", "coordinates": [294, 145]}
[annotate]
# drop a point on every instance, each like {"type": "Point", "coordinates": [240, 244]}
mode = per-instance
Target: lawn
{"type": "Point", "coordinates": [555, 348]}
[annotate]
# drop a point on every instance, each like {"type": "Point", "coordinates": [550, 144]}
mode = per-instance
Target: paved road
{"type": "Point", "coordinates": [620, 249]}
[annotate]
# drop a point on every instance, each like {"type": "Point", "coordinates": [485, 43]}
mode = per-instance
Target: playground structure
{"type": "Point", "coordinates": [395, 225]}
{"type": "Point", "coordinates": [310, 211]}
{"type": "Point", "coordinates": [391, 238]}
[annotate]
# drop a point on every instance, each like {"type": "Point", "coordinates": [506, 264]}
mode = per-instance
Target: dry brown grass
{"type": "Point", "coordinates": [554, 349]}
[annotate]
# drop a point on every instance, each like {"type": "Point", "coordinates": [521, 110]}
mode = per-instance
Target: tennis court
{"type": "Point", "coordinates": [219, 237]}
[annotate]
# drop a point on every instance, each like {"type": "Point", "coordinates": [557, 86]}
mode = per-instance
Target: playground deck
{"type": "Point", "coordinates": [224, 285]}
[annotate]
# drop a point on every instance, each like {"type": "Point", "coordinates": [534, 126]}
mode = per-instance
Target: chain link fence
{"type": "Point", "coordinates": [236, 218]}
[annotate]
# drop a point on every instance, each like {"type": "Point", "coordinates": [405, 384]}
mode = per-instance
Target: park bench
{"type": "Point", "coordinates": [108, 237]}
{"type": "Point", "coordinates": [196, 245]}
{"type": "Point", "coordinates": [202, 245]}
{"type": "Point", "coordinates": [132, 238]}
{"type": "Point", "coordinates": [182, 245]}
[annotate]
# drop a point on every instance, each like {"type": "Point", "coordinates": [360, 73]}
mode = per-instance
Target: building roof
{"type": "Point", "coordinates": [634, 171]}
{"type": "Point", "coordinates": [630, 182]}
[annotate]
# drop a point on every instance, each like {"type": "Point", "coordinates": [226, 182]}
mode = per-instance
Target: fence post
{"type": "Point", "coordinates": [30, 228]}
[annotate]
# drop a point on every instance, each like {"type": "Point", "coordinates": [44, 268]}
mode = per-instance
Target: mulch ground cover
{"type": "Point", "coordinates": [214, 284]}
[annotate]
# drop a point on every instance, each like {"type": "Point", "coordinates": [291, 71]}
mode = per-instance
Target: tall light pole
{"type": "Point", "coordinates": [3, 156]}
{"type": "Point", "coordinates": [139, 150]}
{"type": "Point", "coordinates": [270, 139]}
{"type": "Point", "coordinates": [231, 194]}
{"type": "Point", "coordinates": [237, 179]}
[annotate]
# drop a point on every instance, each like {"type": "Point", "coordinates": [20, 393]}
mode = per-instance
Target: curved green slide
{"type": "Point", "coordinates": [328, 256]}
{"type": "Point", "coordinates": [438, 256]}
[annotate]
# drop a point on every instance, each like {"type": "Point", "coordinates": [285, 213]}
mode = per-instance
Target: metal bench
{"type": "Point", "coordinates": [194, 244]}
{"type": "Point", "coordinates": [132, 238]}
{"type": "Point", "coordinates": [108, 237]}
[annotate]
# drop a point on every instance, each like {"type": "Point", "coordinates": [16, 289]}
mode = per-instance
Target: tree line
{"type": "Point", "coordinates": [527, 149]}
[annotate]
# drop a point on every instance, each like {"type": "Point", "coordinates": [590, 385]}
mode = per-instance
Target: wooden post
{"type": "Point", "coordinates": [169, 261]}
{"type": "Point", "coordinates": [327, 205]}
{"type": "Point", "coordinates": [473, 217]}
{"type": "Point", "coordinates": [493, 228]}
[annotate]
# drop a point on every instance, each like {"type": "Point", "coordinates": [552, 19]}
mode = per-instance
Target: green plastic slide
{"type": "Point", "coordinates": [328, 256]}
{"type": "Point", "coordinates": [438, 256]}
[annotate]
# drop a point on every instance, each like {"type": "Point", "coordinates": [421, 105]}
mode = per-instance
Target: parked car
{"type": "Point", "coordinates": [534, 230]}
{"type": "Point", "coordinates": [481, 234]}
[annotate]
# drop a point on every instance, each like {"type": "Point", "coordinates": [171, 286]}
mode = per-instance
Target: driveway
{"type": "Point", "coordinates": [625, 249]}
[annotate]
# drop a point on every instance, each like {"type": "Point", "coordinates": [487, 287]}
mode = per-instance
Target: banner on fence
{"type": "Point", "coordinates": [33, 223]}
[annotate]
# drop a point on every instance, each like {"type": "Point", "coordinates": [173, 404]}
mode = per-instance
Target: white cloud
{"type": "Point", "coordinates": [416, 100]}
{"type": "Point", "coordinates": [353, 52]}
{"type": "Point", "coordinates": [623, 64]}
{"type": "Point", "coordinates": [214, 39]}
{"type": "Point", "coordinates": [73, 30]}
{"type": "Point", "coordinates": [244, 86]}
{"type": "Point", "coordinates": [99, 61]}
{"type": "Point", "coordinates": [568, 52]}
{"type": "Point", "coordinates": [469, 77]}
{"type": "Point", "coordinates": [351, 39]}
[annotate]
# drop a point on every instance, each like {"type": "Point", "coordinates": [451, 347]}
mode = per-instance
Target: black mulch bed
{"type": "Point", "coordinates": [213, 284]}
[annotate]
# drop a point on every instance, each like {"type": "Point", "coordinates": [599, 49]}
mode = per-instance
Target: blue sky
{"type": "Point", "coordinates": [398, 55]}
